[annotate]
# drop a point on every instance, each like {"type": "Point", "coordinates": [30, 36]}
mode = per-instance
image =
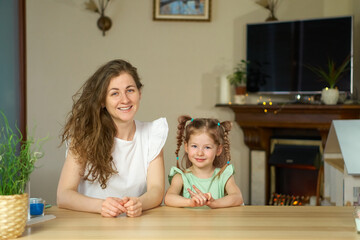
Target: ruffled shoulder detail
{"type": "Point", "coordinates": [186, 182]}
{"type": "Point", "coordinates": [158, 133]}
{"type": "Point", "coordinates": [227, 173]}
{"type": "Point", "coordinates": [173, 172]}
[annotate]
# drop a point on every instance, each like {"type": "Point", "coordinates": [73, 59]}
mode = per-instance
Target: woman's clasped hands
{"type": "Point", "coordinates": [113, 207]}
{"type": "Point", "coordinates": [199, 198]}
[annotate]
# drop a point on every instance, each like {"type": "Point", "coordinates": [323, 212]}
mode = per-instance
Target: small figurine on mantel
{"type": "Point", "coordinates": [270, 5]}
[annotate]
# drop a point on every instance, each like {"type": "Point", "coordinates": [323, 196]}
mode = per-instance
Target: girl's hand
{"type": "Point", "coordinates": [199, 198]}
{"type": "Point", "coordinates": [112, 207]}
{"type": "Point", "coordinates": [133, 206]}
{"type": "Point", "coordinates": [211, 201]}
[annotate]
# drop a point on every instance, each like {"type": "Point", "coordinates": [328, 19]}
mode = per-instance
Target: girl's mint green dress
{"type": "Point", "coordinates": [214, 185]}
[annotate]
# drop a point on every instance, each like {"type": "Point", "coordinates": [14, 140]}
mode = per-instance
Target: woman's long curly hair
{"type": "Point", "coordinates": [219, 132]}
{"type": "Point", "coordinates": [89, 129]}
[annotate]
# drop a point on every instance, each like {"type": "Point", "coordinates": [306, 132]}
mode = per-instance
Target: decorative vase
{"type": "Point", "coordinates": [240, 99]}
{"type": "Point", "coordinates": [271, 17]}
{"type": "Point", "coordinates": [13, 215]}
{"type": "Point", "coordinates": [224, 93]}
{"type": "Point", "coordinates": [330, 96]}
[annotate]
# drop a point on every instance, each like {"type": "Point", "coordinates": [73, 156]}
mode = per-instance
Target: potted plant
{"type": "Point", "coordinates": [331, 75]}
{"type": "Point", "coordinates": [17, 161]}
{"type": "Point", "coordinates": [238, 77]}
{"type": "Point", "coordinates": [270, 5]}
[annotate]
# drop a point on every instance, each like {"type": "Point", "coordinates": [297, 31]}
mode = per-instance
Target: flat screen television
{"type": "Point", "coordinates": [280, 53]}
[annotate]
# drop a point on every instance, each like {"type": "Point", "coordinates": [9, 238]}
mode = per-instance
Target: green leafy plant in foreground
{"type": "Point", "coordinates": [332, 74]}
{"type": "Point", "coordinates": [17, 158]}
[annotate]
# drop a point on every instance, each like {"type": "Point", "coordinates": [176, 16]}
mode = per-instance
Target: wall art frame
{"type": "Point", "coordinates": [182, 10]}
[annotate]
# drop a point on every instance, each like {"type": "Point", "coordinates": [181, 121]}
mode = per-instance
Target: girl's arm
{"type": "Point", "coordinates": [155, 189]}
{"type": "Point", "coordinates": [173, 197]}
{"type": "Point", "coordinates": [69, 197]}
{"type": "Point", "coordinates": [234, 197]}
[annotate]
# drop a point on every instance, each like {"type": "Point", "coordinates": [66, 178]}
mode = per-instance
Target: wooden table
{"type": "Point", "coordinates": [248, 222]}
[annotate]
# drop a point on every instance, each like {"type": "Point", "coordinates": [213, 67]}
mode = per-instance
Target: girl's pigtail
{"type": "Point", "coordinates": [226, 127]}
{"type": "Point", "coordinates": [180, 136]}
{"type": "Point", "coordinates": [226, 144]}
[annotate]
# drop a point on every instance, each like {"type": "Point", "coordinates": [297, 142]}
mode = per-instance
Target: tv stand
{"type": "Point", "coordinates": [260, 123]}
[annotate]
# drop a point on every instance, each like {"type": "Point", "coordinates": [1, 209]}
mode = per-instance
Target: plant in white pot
{"type": "Point", "coordinates": [331, 75]}
{"type": "Point", "coordinates": [17, 161]}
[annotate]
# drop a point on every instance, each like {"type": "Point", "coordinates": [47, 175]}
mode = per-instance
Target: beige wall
{"type": "Point", "coordinates": [179, 62]}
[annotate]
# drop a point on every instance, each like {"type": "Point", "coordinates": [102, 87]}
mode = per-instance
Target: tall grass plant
{"type": "Point", "coordinates": [17, 158]}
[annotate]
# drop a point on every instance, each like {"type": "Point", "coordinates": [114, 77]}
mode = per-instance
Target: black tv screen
{"type": "Point", "coordinates": [280, 54]}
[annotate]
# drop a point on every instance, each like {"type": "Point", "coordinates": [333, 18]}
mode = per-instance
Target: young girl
{"type": "Point", "coordinates": [208, 178]}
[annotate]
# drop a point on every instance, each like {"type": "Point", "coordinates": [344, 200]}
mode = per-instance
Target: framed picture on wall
{"type": "Point", "coordinates": [182, 10]}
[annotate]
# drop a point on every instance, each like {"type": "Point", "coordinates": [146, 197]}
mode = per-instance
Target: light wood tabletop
{"type": "Point", "coordinates": [247, 222]}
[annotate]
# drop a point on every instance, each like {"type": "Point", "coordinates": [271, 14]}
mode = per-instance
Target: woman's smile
{"type": "Point", "coordinates": [125, 108]}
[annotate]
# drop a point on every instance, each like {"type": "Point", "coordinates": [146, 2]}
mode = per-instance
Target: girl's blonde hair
{"type": "Point", "coordinates": [218, 131]}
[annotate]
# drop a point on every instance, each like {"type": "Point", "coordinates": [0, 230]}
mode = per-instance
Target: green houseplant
{"type": "Point", "coordinates": [17, 161]}
{"type": "Point", "coordinates": [331, 75]}
{"type": "Point", "coordinates": [238, 77]}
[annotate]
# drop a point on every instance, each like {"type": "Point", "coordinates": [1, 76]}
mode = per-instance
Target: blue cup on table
{"type": "Point", "coordinates": [37, 206]}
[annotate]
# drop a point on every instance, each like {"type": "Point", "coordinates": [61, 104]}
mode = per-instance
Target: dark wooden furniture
{"type": "Point", "coordinates": [262, 122]}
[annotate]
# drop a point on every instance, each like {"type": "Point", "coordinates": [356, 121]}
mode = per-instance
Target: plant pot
{"type": "Point", "coordinates": [240, 90]}
{"type": "Point", "coordinates": [13, 215]}
{"type": "Point", "coordinates": [330, 96]}
{"type": "Point", "coordinates": [240, 99]}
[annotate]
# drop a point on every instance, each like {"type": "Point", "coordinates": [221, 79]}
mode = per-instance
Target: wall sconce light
{"type": "Point", "coordinates": [104, 22]}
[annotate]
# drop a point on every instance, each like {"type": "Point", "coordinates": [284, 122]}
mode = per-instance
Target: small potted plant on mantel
{"type": "Point", "coordinates": [238, 77]}
{"type": "Point", "coordinates": [331, 75]}
{"type": "Point", "coordinates": [17, 161]}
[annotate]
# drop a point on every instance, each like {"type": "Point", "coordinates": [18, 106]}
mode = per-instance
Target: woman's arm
{"type": "Point", "coordinates": [155, 183]}
{"type": "Point", "coordinates": [234, 197]}
{"type": "Point", "coordinates": [69, 197]}
{"type": "Point", "coordinates": [155, 189]}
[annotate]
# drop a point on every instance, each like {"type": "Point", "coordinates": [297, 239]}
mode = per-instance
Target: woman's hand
{"type": "Point", "coordinates": [133, 206]}
{"type": "Point", "coordinates": [199, 198]}
{"type": "Point", "coordinates": [112, 207]}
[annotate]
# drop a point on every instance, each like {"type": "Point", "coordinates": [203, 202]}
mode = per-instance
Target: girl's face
{"type": "Point", "coordinates": [202, 150]}
{"type": "Point", "coordinates": [122, 98]}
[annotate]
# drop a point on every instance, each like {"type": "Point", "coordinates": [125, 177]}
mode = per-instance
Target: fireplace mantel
{"type": "Point", "coordinates": [262, 122]}
{"type": "Point", "coordinates": [259, 121]}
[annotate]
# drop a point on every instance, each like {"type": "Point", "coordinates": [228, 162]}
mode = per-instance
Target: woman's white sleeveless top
{"type": "Point", "coordinates": [131, 159]}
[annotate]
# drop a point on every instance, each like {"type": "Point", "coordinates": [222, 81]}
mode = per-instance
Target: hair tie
{"type": "Point", "coordinates": [218, 124]}
{"type": "Point", "coordinates": [228, 162]}
{"type": "Point", "coordinates": [192, 120]}
{"type": "Point", "coordinates": [177, 158]}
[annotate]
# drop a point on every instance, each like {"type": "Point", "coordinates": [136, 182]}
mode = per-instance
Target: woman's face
{"type": "Point", "coordinates": [122, 98]}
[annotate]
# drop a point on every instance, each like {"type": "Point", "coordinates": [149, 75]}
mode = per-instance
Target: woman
{"type": "Point", "coordinates": [114, 164]}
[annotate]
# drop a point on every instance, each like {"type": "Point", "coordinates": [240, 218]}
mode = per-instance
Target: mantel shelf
{"type": "Point", "coordinates": [261, 123]}
{"type": "Point", "coordinates": [265, 118]}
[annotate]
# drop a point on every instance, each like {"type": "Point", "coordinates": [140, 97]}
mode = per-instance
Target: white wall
{"type": "Point", "coordinates": [179, 62]}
